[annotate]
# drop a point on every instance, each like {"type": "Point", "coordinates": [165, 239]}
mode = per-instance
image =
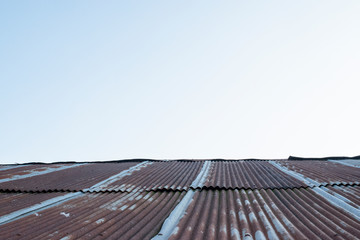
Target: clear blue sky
{"type": "Point", "coordinates": [101, 80]}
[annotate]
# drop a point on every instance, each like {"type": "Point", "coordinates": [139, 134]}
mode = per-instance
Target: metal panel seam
{"type": "Point", "coordinates": [343, 163]}
{"type": "Point", "coordinates": [170, 224]}
{"type": "Point", "coordinates": [202, 176]}
{"type": "Point", "coordinates": [103, 184]}
{"type": "Point", "coordinates": [37, 173]}
{"type": "Point", "coordinates": [296, 175]}
{"type": "Point", "coordinates": [40, 206]}
{"type": "Point", "coordinates": [57, 200]}
{"type": "Point", "coordinates": [340, 203]}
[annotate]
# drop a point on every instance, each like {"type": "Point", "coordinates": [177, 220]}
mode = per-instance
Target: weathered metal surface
{"type": "Point", "coordinates": [324, 171]}
{"type": "Point", "coordinates": [97, 216]}
{"type": "Point", "coordinates": [10, 166]}
{"type": "Point", "coordinates": [176, 175]}
{"type": "Point", "coordinates": [349, 194]}
{"type": "Point", "coordinates": [72, 179]}
{"type": "Point", "coordinates": [348, 162]}
{"type": "Point", "coordinates": [23, 170]}
{"type": "Point", "coordinates": [212, 214]}
{"type": "Point", "coordinates": [11, 202]}
{"type": "Point", "coordinates": [264, 214]}
{"type": "Point", "coordinates": [248, 175]}
{"type": "Point", "coordinates": [237, 200]}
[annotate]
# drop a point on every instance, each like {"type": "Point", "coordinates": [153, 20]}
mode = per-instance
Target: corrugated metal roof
{"type": "Point", "coordinates": [176, 175]}
{"type": "Point", "coordinates": [324, 171]}
{"type": "Point", "coordinates": [11, 202]}
{"type": "Point", "coordinates": [249, 175]}
{"type": "Point", "coordinates": [24, 171]}
{"type": "Point", "coordinates": [71, 179]}
{"type": "Point", "coordinates": [213, 214]}
{"type": "Point", "coordinates": [106, 215]}
{"type": "Point", "coordinates": [182, 200]}
{"type": "Point", "coordinates": [264, 214]}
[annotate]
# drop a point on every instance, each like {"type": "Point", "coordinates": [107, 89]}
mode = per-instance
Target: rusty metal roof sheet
{"type": "Point", "coordinates": [11, 202]}
{"type": "Point", "coordinates": [179, 175]}
{"type": "Point", "coordinates": [182, 199]}
{"type": "Point", "coordinates": [13, 172]}
{"type": "Point", "coordinates": [264, 214]}
{"type": "Point", "coordinates": [71, 179]}
{"type": "Point", "coordinates": [323, 171]}
{"type": "Point", "coordinates": [211, 214]}
{"type": "Point", "coordinates": [100, 215]}
{"type": "Point", "coordinates": [249, 175]}
{"type": "Point", "coordinates": [175, 175]}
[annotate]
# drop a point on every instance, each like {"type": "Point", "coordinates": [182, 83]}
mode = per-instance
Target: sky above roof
{"type": "Point", "coordinates": [89, 80]}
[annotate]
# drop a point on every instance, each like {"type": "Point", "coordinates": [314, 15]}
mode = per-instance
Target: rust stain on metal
{"type": "Point", "coordinates": [264, 214]}
{"type": "Point", "coordinates": [72, 179]}
{"type": "Point", "coordinates": [11, 202]}
{"type": "Point", "coordinates": [224, 200]}
{"type": "Point", "coordinates": [323, 171]}
{"type": "Point", "coordinates": [249, 174]}
{"type": "Point", "coordinates": [175, 175]}
{"type": "Point", "coordinates": [101, 215]}
{"type": "Point", "coordinates": [26, 169]}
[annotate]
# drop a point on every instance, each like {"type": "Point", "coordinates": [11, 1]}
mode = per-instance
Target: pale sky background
{"type": "Point", "coordinates": [103, 80]}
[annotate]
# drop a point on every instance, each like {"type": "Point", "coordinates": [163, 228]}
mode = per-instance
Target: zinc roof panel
{"type": "Point", "coordinates": [99, 215]}
{"type": "Point", "coordinates": [249, 175]}
{"type": "Point", "coordinates": [324, 171]}
{"type": "Point", "coordinates": [71, 179]}
{"type": "Point", "coordinates": [268, 214]}
{"type": "Point", "coordinates": [172, 175]}
{"type": "Point", "coordinates": [11, 202]}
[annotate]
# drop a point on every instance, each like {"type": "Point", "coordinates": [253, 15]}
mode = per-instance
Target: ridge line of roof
{"type": "Point", "coordinates": [290, 158]}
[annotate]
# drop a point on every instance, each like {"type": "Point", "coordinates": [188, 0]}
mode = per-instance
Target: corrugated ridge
{"type": "Point", "coordinates": [290, 158]}
{"type": "Point", "coordinates": [170, 175]}
{"type": "Point", "coordinates": [239, 174]}
{"type": "Point", "coordinates": [142, 160]}
{"type": "Point", "coordinates": [180, 190]}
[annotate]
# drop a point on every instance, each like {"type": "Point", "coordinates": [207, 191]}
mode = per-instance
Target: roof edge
{"type": "Point", "coordinates": [323, 158]}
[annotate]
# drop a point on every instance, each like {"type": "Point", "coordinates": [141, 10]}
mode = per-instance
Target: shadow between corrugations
{"type": "Point", "coordinates": [205, 188]}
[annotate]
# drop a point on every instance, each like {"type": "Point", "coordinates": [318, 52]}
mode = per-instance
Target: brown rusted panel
{"type": "Point", "coordinates": [26, 169]}
{"type": "Point", "coordinates": [11, 202]}
{"type": "Point", "coordinates": [71, 179]}
{"type": "Point", "coordinates": [176, 175]}
{"type": "Point", "coordinates": [265, 214]}
{"type": "Point", "coordinates": [98, 216]}
{"type": "Point", "coordinates": [324, 171]}
{"type": "Point", "coordinates": [249, 174]}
